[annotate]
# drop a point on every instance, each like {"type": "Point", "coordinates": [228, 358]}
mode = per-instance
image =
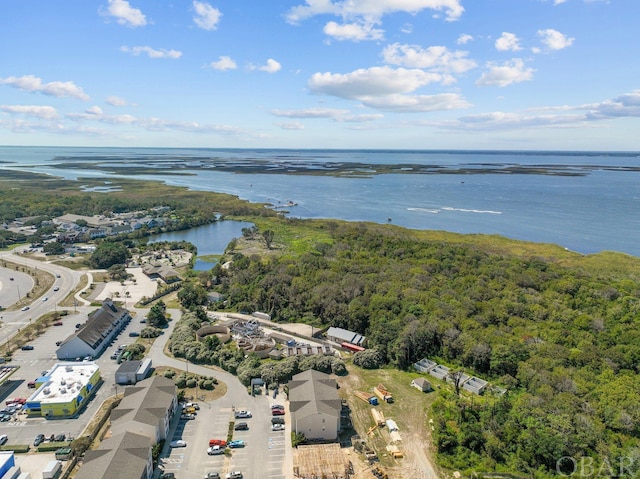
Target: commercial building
{"type": "Point", "coordinates": [64, 390]}
{"type": "Point", "coordinates": [94, 337]}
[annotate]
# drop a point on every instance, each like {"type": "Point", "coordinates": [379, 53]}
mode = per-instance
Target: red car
{"type": "Point", "coordinates": [277, 412]}
{"type": "Point", "coordinates": [58, 323]}
{"type": "Point", "coordinates": [217, 442]}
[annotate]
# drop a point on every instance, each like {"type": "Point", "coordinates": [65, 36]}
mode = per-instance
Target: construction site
{"type": "Point", "coordinates": [321, 461]}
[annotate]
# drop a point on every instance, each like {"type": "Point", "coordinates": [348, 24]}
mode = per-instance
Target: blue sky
{"type": "Point", "coordinates": [418, 74]}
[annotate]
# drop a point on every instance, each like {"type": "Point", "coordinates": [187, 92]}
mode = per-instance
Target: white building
{"type": "Point", "coordinates": [94, 337]}
{"type": "Point", "coordinates": [315, 406]}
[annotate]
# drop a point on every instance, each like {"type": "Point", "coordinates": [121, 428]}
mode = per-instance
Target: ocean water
{"type": "Point", "coordinates": [591, 204]}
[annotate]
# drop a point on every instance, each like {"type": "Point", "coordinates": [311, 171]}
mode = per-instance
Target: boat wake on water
{"type": "Point", "coordinates": [449, 208]}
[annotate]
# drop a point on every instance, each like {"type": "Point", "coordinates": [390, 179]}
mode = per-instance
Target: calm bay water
{"type": "Point", "coordinates": [590, 213]}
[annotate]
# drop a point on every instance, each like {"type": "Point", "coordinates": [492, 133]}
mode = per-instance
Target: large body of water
{"type": "Point", "coordinates": [591, 203]}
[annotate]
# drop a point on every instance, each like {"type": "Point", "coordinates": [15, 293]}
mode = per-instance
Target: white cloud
{"type": "Point", "coordinates": [295, 125]}
{"type": "Point", "coordinates": [372, 9]}
{"type": "Point", "coordinates": [508, 42]}
{"type": "Point", "coordinates": [554, 40]}
{"type": "Point", "coordinates": [224, 63]}
{"type": "Point", "coordinates": [151, 52]}
{"type": "Point", "coordinates": [330, 113]}
{"type": "Point", "coordinates": [207, 17]}
{"type": "Point", "coordinates": [124, 13]}
{"type": "Point", "coordinates": [464, 39]}
{"type": "Point", "coordinates": [363, 118]}
{"type": "Point", "coordinates": [353, 31]}
{"type": "Point", "coordinates": [34, 84]}
{"type": "Point", "coordinates": [437, 58]}
{"type": "Point", "coordinates": [375, 81]}
{"type": "Point", "coordinates": [417, 103]}
{"type": "Point", "coordinates": [42, 112]}
{"type": "Point", "coordinates": [310, 113]}
{"type": "Point", "coordinates": [272, 66]}
{"type": "Point", "coordinates": [510, 72]}
{"type": "Point", "coordinates": [627, 105]}
{"type": "Point", "coordinates": [116, 101]}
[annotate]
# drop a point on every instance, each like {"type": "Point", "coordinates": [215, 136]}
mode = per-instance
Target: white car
{"type": "Point", "coordinates": [233, 475]}
{"type": "Point", "coordinates": [242, 414]}
{"type": "Point", "coordinates": [277, 427]}
{"type": "Point", "coordinates": [178, 443]}
{"type": "Point", "coordinates": [215, 450]}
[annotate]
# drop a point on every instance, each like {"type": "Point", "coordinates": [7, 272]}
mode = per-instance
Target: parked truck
{"type": "Point", "coordinates": [368, 397]}
{"type": "Point", "coordinates": [381, 391]}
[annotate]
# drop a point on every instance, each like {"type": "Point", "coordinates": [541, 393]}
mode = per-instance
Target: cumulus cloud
{"type": "Point", "coordinates": [42, 112]}
{"type": "Point", "coordinates": [152, 52]}
{"type": "Point", "coordinates": [437, 58]}
{"type": "Point", "coordinates": [224, 63]}
{"type": "Point", "coordinates": [124, 13]}
{"type": "Point", "coordinates": [34, 84]}
{"type": "Point", "coordinates": [207, 17]}
{"type": "Point", "coordinates": [353, 31]}
{"type": "Point", "coordinates": [554, 40]}
{"type": "Point", "coordinates": [508, 42]}
{"type": "Point", "coordinates": [464, 39]}
{"type": "Point", "coordinates": [503, 75]}
{"type": "Point", "coordinates": [375, 81]}
{"type": "Point", "coordinates": [116, 101]}
{"type": "Point", "coordinates": [372, 9]}
{"type": "Point", "coordinates": [271, 66]}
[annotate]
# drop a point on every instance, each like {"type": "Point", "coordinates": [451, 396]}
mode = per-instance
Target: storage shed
{"type": "Point", "coordinates": [421, 384]}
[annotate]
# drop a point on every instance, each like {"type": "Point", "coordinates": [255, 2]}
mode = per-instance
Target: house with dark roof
{"type": "Point", "coordinates": [146, 408]}
{"type": "Point", "coordinates": [138, 423]}
{"type": "Point", "coordinates": [94, 337]}
{"type": "Point", "coordinates": [126, 456]}
{"type": "Point", "coordinates": [162, 271]}
{"type": "Point", "coordinates": [314, 405]}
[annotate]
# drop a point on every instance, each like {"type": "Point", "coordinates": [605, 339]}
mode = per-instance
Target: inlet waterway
{"type": "Point", "coordinates": [211, 239]}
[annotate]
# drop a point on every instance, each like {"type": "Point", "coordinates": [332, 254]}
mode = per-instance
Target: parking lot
{"type": "Point", "coordinates": [263, 454]}
{"type": "Point", "coordinates": [34, 362]}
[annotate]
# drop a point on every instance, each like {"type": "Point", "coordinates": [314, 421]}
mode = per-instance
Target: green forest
{"type": "Point", "coordinates": [562, 340]}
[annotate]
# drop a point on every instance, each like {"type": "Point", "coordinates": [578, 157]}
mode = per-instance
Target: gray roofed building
{"type": "Point", "coordinates": [93, 338]}
{"type": "Point", "coordinates": [138, 423]}
{"type": "Point", "coordinates": [150, 403]}
{"type": "Point", "coordinates": [440, 372]}
{"type": "Point", "coordinates": [125, 456]}
{"type": "Point", "coordinates": [424, 365]}
{"type": "Point", "coordinates": [340, 335]}
{"type": "Point", "coordinates": [315, 406]}
{"type": "Point", "coordinates": [127, 371]}
{"type": "Point", "coordinates": [421, 384]}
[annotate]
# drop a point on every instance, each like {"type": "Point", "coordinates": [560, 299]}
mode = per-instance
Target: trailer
{"type": "Point", "coordinates": [383, 393]}
{"type": "Point", "coordinates": [368, 397]}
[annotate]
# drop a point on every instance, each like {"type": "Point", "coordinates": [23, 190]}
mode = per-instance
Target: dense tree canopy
{"type": "Point", "coordinates": [107, 254]}
{"type": "Point", "coordinates": [565, 343]}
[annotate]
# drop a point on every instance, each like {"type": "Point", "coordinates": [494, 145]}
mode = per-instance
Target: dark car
{"type": "Point", "coordinates": [27, 347]}
{"type": "Point", "coordinates": [134, 334]}
{"type": "Point", "coordinates": [38, 440]}
{"type": "Point", "coordinates": [59, 438]}
{"type": "Point", "coordinates": [277, 420]}
{"type": "Point", "coordinates": [241, 426]}
{"type": "Point", "coordinates": [57, 323]}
